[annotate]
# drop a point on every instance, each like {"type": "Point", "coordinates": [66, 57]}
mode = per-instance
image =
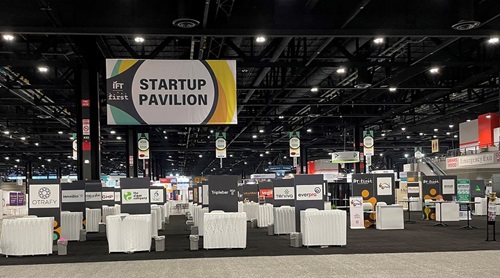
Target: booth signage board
{"type": "Point", "coordinates": [294, 143]}
{"type": "Point", "coordinates": [206, 194]}
{"type": "Point", "coordinates": [44, 200]}
{"type": "Point", "coordinates": [345, 157]}
{"type": "Point", "coordinates": [251, 193]}
{"type": "Point", "coordinates": [463, 195]}
{"type": "Point", "coordinates": [223, 193]}
{"type": "Point", "coordinates": [193, 92]}
{"type": "Point", "coordinates": [266, 191]}
{"type": "Point", "coordinates": [435, 146]}
{"type": "Point", "coordinates": [93, 194]}
{"type": "Point", "coordinates": [108, 196]}
{"type": "Point", "coordinates": [448, 187]}
{"type": "Point", "coordinates": [477, 189]}
{"type": "Point", "coordinates": [135, 196]}
{"type": "Point", "coordinates": [384, 188]}
{"type": "Point", "coordinates": [220, 147]}
{"type": "Point", "coordinates": [308, 194]}
{"type": "Point", "coordinates": [72, 196]}
{"type": "Point", "coordinates": [195, 195]}
{"type": "Point", "coordinates": [143, 145]}
{"type": "Point", "coordinates": [157, 195]}
{"type": "Point", "coordinates": [356, 212]}
{"type": "Point", "coordinates": [368, 143]}
{"type": "Point", "coordinates": [284, 193]}
{"type": "Point", "coordinates": [262, 176]}
{"type": "Point", "coordinates": [413, 189]}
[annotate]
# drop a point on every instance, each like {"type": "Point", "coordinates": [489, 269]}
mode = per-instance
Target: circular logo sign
{"type": "Point", "coordinates": [44, 193]}
{"type": "Point", "coordinates": [317, 190]}
{"type": "Point", "coordinates": [294, 143]}
{"type": "Point", "coordinates": [143, 144]}
{"type": "Point", "coordinates": [220, 143]}
{"type": "Point", "coordinates": [368, 141]}
{"type": "Point", "coordinates": [75, 145]}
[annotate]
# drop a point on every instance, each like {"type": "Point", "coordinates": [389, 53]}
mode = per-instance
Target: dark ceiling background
{"type": "Point", "coordinates": [307, 42]}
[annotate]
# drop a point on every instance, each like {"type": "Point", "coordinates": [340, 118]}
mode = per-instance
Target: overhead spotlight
{"type": "Point", "coordinates": [261, 130]}
{"type": "Point", "coordinates": [281, 117]}
{"type": "Point", "coordinates": [341, 70]}
{"type": "Point", "coordinates": [23, 138]}
{"type": "Point", "coordinates": [166, 137]}
{"type": "Point", "coordinates": [381, 154]}
{"type": "Point", "coordinates": [246, 163]}
{"type": "Point", "coordinates": [434, 136]}
{"type": "Point", "coordinates": [378, 40]}
{"type": "Point", "coordinates": [17, 160]}
{"type": "Point", "coordinates": [139, 39]}
{"type": "Point", "coordinates": [200, 155]}
{"type": "Point", "coordinates": [112, 132]}
{"type": "Point", "coordinates": [267, 152]}
{"type": "Point", "coordinates": [421, 133]}
{"type": "Point", "coordinates": [260, 39]}
{"type": "Point", "coordinates": [43, 69]}
{"type": "Point", "coordinates": [169, 156]}
{"type": "Point", "coordinates": [211, 131]}
{"type": "Point", "coordinates": [284, 157]}
{"type": "Point", "coordinates": [118, 138]}
{"type": "Point", "coordinates": [408, 137]}
{"type": "Point", "coordinates": [450, 126]}
{"type": "Point", "coordinates": [468, 120]}
{"type": "Point", "coordinates": [488, 116]}
{"type": "Point", "coordinates": [60, 132]}
{"type": "Point", "coordinates": [309, 130]}
{"type": "Point", "coordinates": [383, 134]}
{"type": "Point", "coordinates": [448, 133]}
{"type": "Point", "coordinates": [436, 129]}
{"type": "Point", "coordinates": [36, 144]}
{"type": "Point", "coordinates": [314, 89]}
{"type": "Point", "coordinates": [230, 155]}
{"type": "Point", "coordinates": [406, 155]}
{"type": "Point", "coordinates": [254, 136]}
{"type": "Point", "coordinates": [6, 132]}
{"type": "Point", "coordinates": [493, 40]}
{"type": "Point", "coordinates": [434, 70]}
{"type": "Point", "coordinates": [455, 136]}
{"type": "Point", "coordinates": [49, 160]}
{"type": "Point", "coordinates": [261, 155]}
{"type": "Point", "coordinates": [403, 128]}
{"type": "Point", "coordinates": [392, 89]}
{"type": "Point", "coordinates": [8, 37]}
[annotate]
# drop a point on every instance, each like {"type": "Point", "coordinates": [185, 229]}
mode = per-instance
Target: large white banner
{"type": "Point", "coordinates": [284, 193]}
{"type": "Point", "coordinates": [44, 196]}
{"type": "Point", "coordinates": [135, 196]}
{"type": "Point", "coordinates": [157, 92]}
{"type": "Point", "coordinates": [73, 196]}
{"type": "Point", "coordinates": [472, 160]}
{"type": "Point", "coordinates": [309, 192]}
{"type": "Point", "coordinates": [156, 195]}
{"type": "Point", "coordinates": [356, 212]}
{"type": "Point", "coordinates": [384, 186]}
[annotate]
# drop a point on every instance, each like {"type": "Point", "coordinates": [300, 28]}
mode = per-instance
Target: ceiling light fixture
{"type": "Point", "coordinates": [435, 136]}
{"type": "Point", "coordinates": [267, 152]}
{"type": "Point", "coordinates": [261, 131]}
{"type": "Point", "coordinates": [314, 89]}
{"type": "Point", "coordinates": [43, 69]}
{"type": "Point", "coordinates": [468, 120]}
{"type": "Point", "coordinates": [36, 144]}
{"type": "Point", "coordinates": [341, 70]}
{"type": "Point", "coordinates": [455, 136]}
{"type": "Point", "coordinates": [261, 155]}
{"type": "Point", "coordinates": [6, 132]}
{"type": "Point", "coordinates": [200, 155]}
{"type": "Point", "coordinates": [139, 39]}
{"type": "Point", "coordinates": [406, 155]}
{"type": "Point", "coordinates": [383, 134]}
{"type": "Point", "coordinates": [434, 70]}
{"type": "Point", "coordinates": [450, 126]}
{"type": "Point", "coordinates": [8, 37]}
{"type": "Point", "coordinates": [166, 137]}
{"type": "Point", "coordinates": [392, 89]}
{"type": "Point", "coordinates": [378, 40]}
{"type": "Point", "coordinates": [254, 136]}
{"type": "Point", "coordinates": [23, 138]}
{"type": "Point", "coordinates": [60, 132]}
{"type": "Point", "coordinates": [112, 132]}
{"type": "Point", "coordinates": [408, 137]}
{"type": "Point", "coordinates": [493, 40]}
{"type": "Point", "coordinates": [281, 117]}
{"type": "Point", "coordinates": [403, 128]}
{"type": "Point", "coordinates": [309, 130]}
{"type": "Point", "coordinates": [421, 133]}
{"type": "Point", "coordinates": [448, 133]}
{"type": "Point", "coordinates": [118, 138]}
{"type": "Point", "coordinates": [260, 39]}
{"type": "Point", "coordinates": [488, 116]}
{"type": "Point", "coordinates": [436, 130]}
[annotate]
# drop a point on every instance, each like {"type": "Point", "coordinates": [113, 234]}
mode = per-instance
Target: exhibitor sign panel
{"type": "Point", "coordinates": [156, 195]}
{"type": "Point", "coordinates": [44, 196]}
{"type": "Point", "coordinates": [93, 196]}
{"type": "Point", "coordinates": [175, 92]}
{"type": "Point", "coordinates": [135, 196]}
{"type": "Point", "coordinates": [309, 192]}
{"type": "Point", "coordinates": [284, 193]}
{"type": "Point", "coordinates": [73, 196]}
{"type": "Point", "coordinates": [108, 195]}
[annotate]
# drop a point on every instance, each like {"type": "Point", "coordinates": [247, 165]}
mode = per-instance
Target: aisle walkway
{"type": "Point", "coordinates": [437, 264]}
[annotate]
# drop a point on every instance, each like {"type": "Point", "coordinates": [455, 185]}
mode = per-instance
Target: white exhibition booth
{"type": "Point", "coordinates": [224, 230]}
{"type": "Point", "coordinates": [27, 236]}
{"type": "Point", "coordinates": [129, 233]}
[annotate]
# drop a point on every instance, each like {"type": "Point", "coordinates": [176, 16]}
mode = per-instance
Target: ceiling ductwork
{"type": "Point", "coordinates": [465, 11]}
{"type": "Point", "coordinates": [185, 18]}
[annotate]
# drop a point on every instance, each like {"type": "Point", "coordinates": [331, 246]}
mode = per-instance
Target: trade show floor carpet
{"type": "Point", "coordinates": [419, 237]}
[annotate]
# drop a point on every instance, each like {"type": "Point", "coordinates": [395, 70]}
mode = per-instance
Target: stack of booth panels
{"type": "Point", "coordinates": [27, 236]}
{"type": "Point", "coordinates": [284, 220]}
{"type": "Point", "coordinates": [240, 207]}
{"type": "Point", "coordinates": [201, 213]}
{"type": "Point", "coordinates": [93, 217]}
{"type": "Point", "coordinates": [154, 226]}
{"type": "Point", "coordinates": [224, 230]}
{"type": "Point", "coordinates": [71, 224]}
{"type": "Point", "coordinates": [107, 210]}
{"type": "Point", "coordinates": [129, 233]}
{"type": "Point", "coordinates": [323, 228]}
{"type": "Point", "coordinates": [265, 215]}
{"type": "Point", "coordinates": [158, 216]}
{"type": "Point", "coordinates": [252, 210]}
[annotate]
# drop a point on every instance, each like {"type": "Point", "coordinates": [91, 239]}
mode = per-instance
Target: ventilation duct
{"type": "Point", "coordinates": [465, 11]}
{"type": "Point", "coordinates": [185, 18]}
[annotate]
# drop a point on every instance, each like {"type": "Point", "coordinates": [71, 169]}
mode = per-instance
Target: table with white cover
{"type": "Point", "coordinates": [27, 236]}
{"type": "Point", "coordinates": [224, 230]}
{"type": "Point", "coordinates": [158, 216]}
{"type": "Point", "coordinates": [265, 215]}
{"type": "Point", "coordinates": [322, 228]}
{"type": "Point", "coordinates": [390, 217]}
{"type": "Point", "coordinates": [108, 210]}
{"type": "Point", "coordinates": [129, 232]}
{"type": "Point", "coordinates": [71, 224]}
{"type": "Point", "coordinates": [415, 204]}
{"type": "Point", "coordinates": [92, 219]}
{"type": "Point", "coordinates": [251, 209]}
{"type": "Point", "coordinates": [284, 220]}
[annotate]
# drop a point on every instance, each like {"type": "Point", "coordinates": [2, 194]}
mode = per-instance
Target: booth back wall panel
{"type": "Point", "coordinates": [135, 196]}
{"type": "Point", "coordinates": [308, 194]}
{"type": "Point", "coordinates": [284, 192]}
{"type": "Point", "coordinates": [223, 193]}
